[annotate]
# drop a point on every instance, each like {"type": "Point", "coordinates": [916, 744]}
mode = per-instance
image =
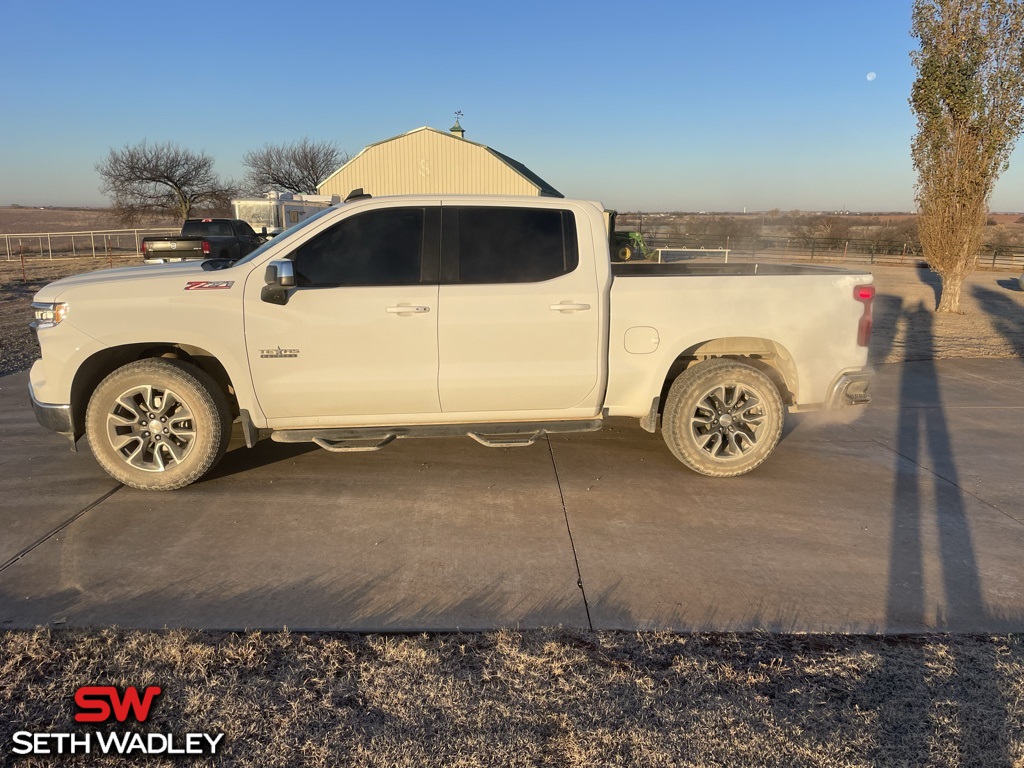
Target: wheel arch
{"type": "Point", "coordinates": [100, 364]}
{"type": "Point", "coordinates": [768, 356]}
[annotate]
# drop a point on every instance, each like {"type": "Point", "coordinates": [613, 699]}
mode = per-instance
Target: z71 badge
{"type": "Point", "coordinates": [208, 285]}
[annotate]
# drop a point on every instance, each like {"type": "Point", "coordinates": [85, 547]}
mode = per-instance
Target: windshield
{"type": "Point", "coordinates": [293, 230]}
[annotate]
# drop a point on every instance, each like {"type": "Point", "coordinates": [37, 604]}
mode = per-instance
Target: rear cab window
{"type": "Point", "coordinates": [486, 245]}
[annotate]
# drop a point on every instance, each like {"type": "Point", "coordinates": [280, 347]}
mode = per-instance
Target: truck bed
{"type": "Point", "coordinates": [653, 269]}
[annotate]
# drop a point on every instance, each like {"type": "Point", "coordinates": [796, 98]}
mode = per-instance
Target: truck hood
{"type": "Point", "coordinates": [183, 271]}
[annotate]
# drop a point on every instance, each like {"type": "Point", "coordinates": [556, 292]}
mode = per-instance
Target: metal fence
{"type": "Point", "coordinates": [69, 245]}
{"type": "Point", "coordinates": [819, 250]}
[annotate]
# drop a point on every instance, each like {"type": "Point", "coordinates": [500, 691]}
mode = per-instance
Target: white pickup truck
{"type": "Point", "coordinates": [500, 318]}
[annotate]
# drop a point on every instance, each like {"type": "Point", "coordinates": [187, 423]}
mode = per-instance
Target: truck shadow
{"type": "Point", "coordinates": [240, 459]}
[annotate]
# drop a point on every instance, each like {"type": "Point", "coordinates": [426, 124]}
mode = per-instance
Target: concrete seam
{"type": "Point", "coordinates": [568, 528]}
{"type": "Point", "coordinates": [58, 528]}
{"type": "Point", "coordinates": [947, 480]}
{"type": "Point", "coordinates": [940, 364]}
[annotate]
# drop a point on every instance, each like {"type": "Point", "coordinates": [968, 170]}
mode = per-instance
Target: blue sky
{"type": "Point", "coordinates": [641, 105]}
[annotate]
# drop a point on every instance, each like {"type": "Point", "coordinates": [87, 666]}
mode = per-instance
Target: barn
{"type": "Point", "coordinates": [429, 161]}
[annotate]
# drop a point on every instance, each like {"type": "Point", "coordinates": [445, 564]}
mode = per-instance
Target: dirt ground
{"type": "Point", "coordinates": [906, 325]}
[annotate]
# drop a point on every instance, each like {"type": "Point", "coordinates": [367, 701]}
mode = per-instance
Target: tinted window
{"type": "Point", "coordinates": [200, 228]}
{"type": "Point", "coordinates": [373, 248]}
{"type": "Point", "coordinates": [513, 245]}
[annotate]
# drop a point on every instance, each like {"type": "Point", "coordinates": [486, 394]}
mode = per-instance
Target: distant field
{"type": "Point", "coordinates": [25, 220]}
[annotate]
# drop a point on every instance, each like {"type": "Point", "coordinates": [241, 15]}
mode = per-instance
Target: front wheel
{"type": "Point", "coordinates": [625, 253]}
{"type": "Point", "coordinates": [722, 418]}
{"type": "Point", "coordinates": [158, 424]}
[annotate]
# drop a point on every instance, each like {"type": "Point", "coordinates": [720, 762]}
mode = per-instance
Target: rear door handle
{"type": "Point", "coordinates": [566, 307]}
{"type": "Point", "coordinates": [408, 309]}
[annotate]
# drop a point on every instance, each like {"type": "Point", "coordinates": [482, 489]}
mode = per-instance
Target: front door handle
{"type": "Point", "coordinates": [408, 309]}
{"type": "Point", "coordinates": [565, 307]}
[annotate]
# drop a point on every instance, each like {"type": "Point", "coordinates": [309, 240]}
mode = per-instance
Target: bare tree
{"type": "Point", "coordinates": [969, 101]}
{"type": "Point", "coordinates": [148, 178]}
{"type": "Point", "coordinates": [299, 167]}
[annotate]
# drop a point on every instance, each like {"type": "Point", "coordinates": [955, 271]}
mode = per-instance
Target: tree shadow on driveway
{"type": "Point", "coordinates": [1007, 315]}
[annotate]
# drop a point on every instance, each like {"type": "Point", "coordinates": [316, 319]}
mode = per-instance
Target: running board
{"type": "Point", "coordinates": [351, 446]}
{"type": "Point", "coordinates": [497, 435]}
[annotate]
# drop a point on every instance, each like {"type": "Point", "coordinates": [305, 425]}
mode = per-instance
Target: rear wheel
{"type": "Point", "coordinates": [158, 424]}
{"type": "Point", "coordinates": [722, 418]}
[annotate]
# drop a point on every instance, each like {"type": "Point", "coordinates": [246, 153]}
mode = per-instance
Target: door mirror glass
{"type": "Point", "coordinates": [279, 277]}
{"type": "Point", "coordinates": [281, 273]}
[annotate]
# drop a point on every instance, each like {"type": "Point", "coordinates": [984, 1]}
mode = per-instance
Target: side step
{"type": "Point", "coordinates": [497, 435]}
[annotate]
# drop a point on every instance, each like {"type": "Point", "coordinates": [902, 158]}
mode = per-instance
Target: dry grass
{"type": "Point", "coordinates": [562, 698]}
{"type": "Point", "coordinates": [24, 220]}
{"type": "Point", "coordinates": [18, 347]}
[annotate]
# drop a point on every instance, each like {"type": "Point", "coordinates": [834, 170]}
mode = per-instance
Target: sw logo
{"type": "Point", "coordinates": [97, 703]}
{"type": "Point", "coordinates": [104, 704]}
{"type": "Point", "coordinates": [208, 285]}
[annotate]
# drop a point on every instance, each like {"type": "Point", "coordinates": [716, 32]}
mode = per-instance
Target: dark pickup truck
{"type": "Point", "coordinates": [202, 239]}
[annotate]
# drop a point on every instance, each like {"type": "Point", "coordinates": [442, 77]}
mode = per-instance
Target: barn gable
{"type": "Point", "coordinates": [429, 161]}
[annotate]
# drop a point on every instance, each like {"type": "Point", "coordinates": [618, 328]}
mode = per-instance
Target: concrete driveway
{"type": "Point", "coordinates": [909, 519]}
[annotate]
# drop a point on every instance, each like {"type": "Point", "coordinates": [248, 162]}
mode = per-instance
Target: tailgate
{"type": "Point", "coordinates": [173, 244]}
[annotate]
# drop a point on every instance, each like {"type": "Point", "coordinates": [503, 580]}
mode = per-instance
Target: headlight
{"type": "Point", "coordinates": [48, 315]}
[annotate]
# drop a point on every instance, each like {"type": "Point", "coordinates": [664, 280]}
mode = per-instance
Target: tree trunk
{"type": "Point", "coordinates": [949, 299]}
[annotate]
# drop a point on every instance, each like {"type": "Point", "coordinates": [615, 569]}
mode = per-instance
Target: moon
{"type": "Point", "coordinates": [871, 76]}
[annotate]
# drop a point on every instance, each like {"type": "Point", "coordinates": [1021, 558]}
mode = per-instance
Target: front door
{"type": "Point", "coordinates": [358, 336]}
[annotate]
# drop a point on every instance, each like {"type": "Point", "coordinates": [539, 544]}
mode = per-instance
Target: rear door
{"type": "Point", "coordinates": [519, 322]}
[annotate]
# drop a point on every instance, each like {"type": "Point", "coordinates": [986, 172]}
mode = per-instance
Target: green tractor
{"type": "Point", "coordinates": [630, 246]}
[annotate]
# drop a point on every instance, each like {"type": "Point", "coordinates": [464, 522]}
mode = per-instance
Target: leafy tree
{"type": "Point", "coordinates": [969, 101]}
{"type": "Point", "coordinates": [298, 167]}
{"type": "Point", "coordinates": [149, 178]}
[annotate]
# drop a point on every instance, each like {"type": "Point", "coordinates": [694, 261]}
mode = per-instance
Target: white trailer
{"type": "Point", "coordinates": [276, 211]}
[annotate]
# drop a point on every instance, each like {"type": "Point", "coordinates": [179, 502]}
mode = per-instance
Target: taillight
{"type": "Point", "coordinates": [206, 246]}
{"type": "Point", "coordinates": [144, 246]}
{"type": "Point", "coordinates": [865, 294]}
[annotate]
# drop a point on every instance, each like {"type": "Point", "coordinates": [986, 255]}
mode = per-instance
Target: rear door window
{"type": "Point", "coordinates": [507, 245]}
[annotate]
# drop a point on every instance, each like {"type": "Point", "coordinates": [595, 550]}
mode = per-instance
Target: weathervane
{"type": "Point", "coordinates": [457, 129]}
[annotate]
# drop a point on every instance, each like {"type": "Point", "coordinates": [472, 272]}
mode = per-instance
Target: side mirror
{"type": "Point", "coordinates": [279, 277]}
{"type": "Point", "coordinates": [280, 272]}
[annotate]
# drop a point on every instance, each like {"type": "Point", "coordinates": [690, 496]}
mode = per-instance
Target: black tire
{"type": "Point", "coordinates": [144, 441]}
{"type": "Point", "coordinates": [625, 253]}
{"type": "Point", "coordinates": [722, 418]}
